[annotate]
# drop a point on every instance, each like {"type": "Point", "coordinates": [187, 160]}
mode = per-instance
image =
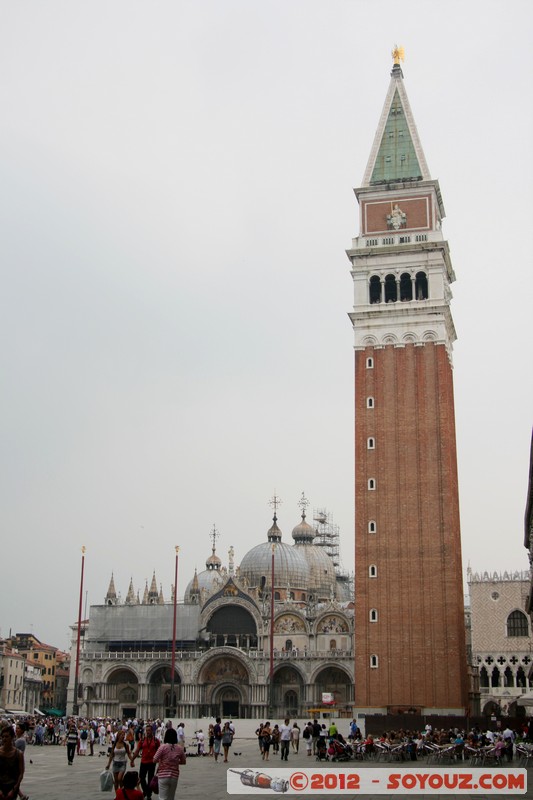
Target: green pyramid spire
{"type": "Point", "coordinates": [396, 159]}
{"type": "Point", "coordinates": [397, 154]}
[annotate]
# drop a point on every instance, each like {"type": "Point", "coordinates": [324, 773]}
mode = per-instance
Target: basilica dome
{"type": "Point", "coordinates": [210, 579]}
{"type": "Point", "coordinates": [322, 577]}
{"type": "Point", "coordinates": [290, 568]}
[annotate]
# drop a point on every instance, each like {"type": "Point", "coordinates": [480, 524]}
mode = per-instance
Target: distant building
{"type": "Point", "coordinates": [501, 639]}
{"type": "Point", "coordinates": [40, 655]}
{"type": "Point", "coordinates": [12, 666]}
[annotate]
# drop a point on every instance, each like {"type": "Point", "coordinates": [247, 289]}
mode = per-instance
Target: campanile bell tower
{"type": "Point", "coordinates": [409, 617]}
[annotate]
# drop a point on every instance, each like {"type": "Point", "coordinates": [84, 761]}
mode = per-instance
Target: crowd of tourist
{"type": "Point", "coordinates": [156, 745]}
{"type": "Point", "coordinates": [283, 737]}
{"type": "Point", "coordinates": [462, 744]}
{"type": "Point", "coordinates": [153, 750]}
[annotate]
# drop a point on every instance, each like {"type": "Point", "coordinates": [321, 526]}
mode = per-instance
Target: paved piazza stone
{"type": "Point", "coordinates": [50, 778]}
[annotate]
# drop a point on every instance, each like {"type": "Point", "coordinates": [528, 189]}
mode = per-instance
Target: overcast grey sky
{"type": "Point", "coordinates": [176, 197]}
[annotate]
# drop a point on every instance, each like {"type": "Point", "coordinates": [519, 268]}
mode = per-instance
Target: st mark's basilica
{"type": "Point", "coordinates": [223, 634]}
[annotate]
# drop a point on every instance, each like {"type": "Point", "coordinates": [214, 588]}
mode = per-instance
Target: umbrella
{"type": "Point", "coordinates": [525, 700]}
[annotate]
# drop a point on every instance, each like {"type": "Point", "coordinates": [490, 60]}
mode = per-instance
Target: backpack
{"type": "Point", "coordinates": [84, 735]}
{"type": "Point", "coordinates": [306, 733]}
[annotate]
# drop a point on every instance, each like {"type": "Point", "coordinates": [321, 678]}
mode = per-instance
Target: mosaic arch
{"type": "Point", "coordinates": [224, 668]}
{"type": "Point", "coordinates": [332, 623]}
{"type": "Point", "coordinates": [224, 682]}
{"type": "Point", "coordinates": [289, 623]}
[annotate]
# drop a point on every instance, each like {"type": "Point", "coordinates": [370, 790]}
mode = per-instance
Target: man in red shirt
{"type": "Point", "coordinates": [147, 746]}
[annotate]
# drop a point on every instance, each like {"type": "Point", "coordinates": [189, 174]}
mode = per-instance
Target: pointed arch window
{"type": "Point", "coordinates": [372, 527]}
{"type": "Point", "coordinates": [373, 617]}
{"type": "Point", "coordinates": [371, 484]}
{"type": "Point", "coordinates": [372, 571]}
{"type": "Point", "coordinates": [484, 678]}
{"type": "Point", "coordinates": [517, 624]}
{"type": "Point", "coordinates": [374, 662]}
{"type": "Point", "coordinates": [370, 402]}
{"type": "Point", "coordinates": [370, 363]}
{"type": "Point", "coordinates": [508, 677]}
{"type": "Point", "coordinates": [521, 678]}
{"type": "Point", "coordinates": [371, 443]}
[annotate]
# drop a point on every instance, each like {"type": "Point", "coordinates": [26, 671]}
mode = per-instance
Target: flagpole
{"type": "Point", "coordinates": [271, 671]}
{"type": "Point", "coordinates": [173, 674]}
{"type": "Point", "coordinates": [75, 704]}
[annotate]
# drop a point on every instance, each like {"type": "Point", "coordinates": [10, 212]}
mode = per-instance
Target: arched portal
{"type": "Point", "coordinates": [224, 686]}
{"type": "Point", "coordinates": [287, 692]}
{"type": "Point", "coordinates": [228, 700]}
{"type": "Point", "coordinates": [336, 682]}
{"type": "Point", "coordinates": [159, 691]}
{"type": "Point", "coordinates": [123, 692]}
{"type": "Point", "coordinates": [492, 709]}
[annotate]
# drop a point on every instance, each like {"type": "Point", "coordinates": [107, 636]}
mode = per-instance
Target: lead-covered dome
{"type": "Point", "coordinates": [290, 568]}
{"type": "Point", "coordinates": [210, 579]}
{"type": "Point", "coordinates": [303, 533]}
{"type": "Point", "coordinates": [322, 577]}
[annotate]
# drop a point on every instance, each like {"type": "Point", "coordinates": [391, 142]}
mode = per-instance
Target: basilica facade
{"type": "Point", "coordinates": [271, 636]}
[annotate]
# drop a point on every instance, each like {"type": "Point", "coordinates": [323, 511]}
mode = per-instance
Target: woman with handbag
{"type": "Point", "coordinates": [120, 754]}
{"type": "Point", "coordinates": [168, 758]}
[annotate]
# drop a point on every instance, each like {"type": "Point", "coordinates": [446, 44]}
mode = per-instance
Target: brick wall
{"type": "Point", "coordinates": [419, 637]}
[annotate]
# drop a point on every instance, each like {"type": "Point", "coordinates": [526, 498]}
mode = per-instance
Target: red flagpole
{"type": "Point", "coordinates": [271, 674]}
{"type": "Point", "coordinates": [172, 679]}
{"type": "Point", "coordinates": [75, 706]}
